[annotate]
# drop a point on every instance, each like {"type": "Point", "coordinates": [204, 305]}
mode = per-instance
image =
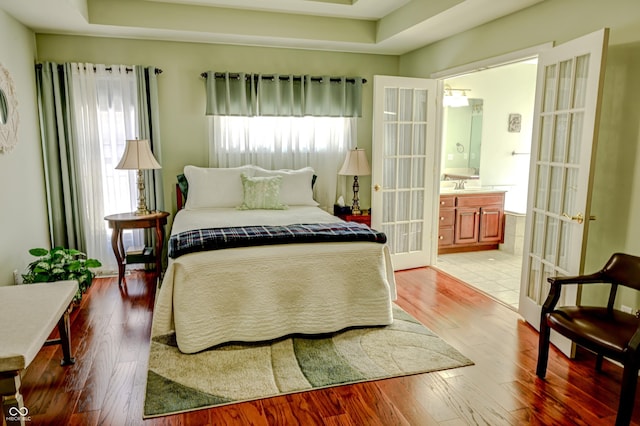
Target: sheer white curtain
{"type": "Point", "coordinates": [285, 143]}
{"type": "Point", "coordinates": [104, 104]}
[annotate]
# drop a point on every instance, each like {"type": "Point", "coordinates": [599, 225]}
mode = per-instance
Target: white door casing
{"type": "Point", "coordinates": [404, 168]}
{"type": "Point", "coordinates": [566, 114]}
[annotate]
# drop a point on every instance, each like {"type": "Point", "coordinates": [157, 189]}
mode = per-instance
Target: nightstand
{"type": "Point", "coordinates": [344, 213]}
{"type": "Point", "coordinates": [360, 218]}
{"type": "Point", "coordinates": [121, 221]}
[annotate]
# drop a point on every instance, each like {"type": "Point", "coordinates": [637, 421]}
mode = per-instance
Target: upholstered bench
{"type": "Point", "coordinates": [28, 314]}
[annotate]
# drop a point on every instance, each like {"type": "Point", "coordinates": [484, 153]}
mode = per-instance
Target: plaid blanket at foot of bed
{"type": "Point", "coordinates": [245, 236]}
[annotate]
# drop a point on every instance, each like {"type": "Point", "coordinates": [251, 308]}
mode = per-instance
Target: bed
{"type": "Point", "coordinates": [254, 293]}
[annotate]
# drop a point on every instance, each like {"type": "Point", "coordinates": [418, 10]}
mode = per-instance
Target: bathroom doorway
{"type": "Point", "coordinates": [502, 98]}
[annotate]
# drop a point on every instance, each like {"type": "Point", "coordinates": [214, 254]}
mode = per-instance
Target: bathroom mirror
{"type": "Point", "coordinates": [462, 136]}
{"type": "Point", "coordinates": [8, 111]}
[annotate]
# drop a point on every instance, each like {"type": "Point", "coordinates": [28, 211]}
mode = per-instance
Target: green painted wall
{"type": "Point", "coordinates": [23, 212]}
{"type": "Point", "coordinates": [616, 189]}
{"type": "Point", "coordinates": [184, 127]}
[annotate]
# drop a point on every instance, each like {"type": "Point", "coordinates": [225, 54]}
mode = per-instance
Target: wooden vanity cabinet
{"type": "Point", "coordinates": [446, 220]}
{"type": "Point", "coordinates": [472, 221]}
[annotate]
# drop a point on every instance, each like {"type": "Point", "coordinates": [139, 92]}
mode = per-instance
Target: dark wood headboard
{"type": "Point", "coordinates": [179, 199]}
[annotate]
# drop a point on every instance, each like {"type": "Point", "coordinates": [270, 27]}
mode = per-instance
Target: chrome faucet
{"type": "Point", "coordinates": [460, 184]}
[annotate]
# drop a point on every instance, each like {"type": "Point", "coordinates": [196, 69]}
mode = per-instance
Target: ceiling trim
{"type": "Point", "coordinates": [496, 61]}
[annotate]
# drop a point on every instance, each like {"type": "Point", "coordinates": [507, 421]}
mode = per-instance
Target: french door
{"type": "Point", "coordinates": [404, 166]}
{"type": "Point", "coordinates": [565, 131]}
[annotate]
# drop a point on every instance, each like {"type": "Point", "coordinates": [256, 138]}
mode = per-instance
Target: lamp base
{"type": "Point", "coordinates": [141, 212]}
{"type": "Point", "coordinates": [355, 208]}
{"type": "Point", "coordinates": [142, 201]}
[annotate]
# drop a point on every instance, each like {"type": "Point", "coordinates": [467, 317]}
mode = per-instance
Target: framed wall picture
{"type": "Point", "coordinates": [515, 123]}
{"type": "Point", "coordinates": [8, 112]}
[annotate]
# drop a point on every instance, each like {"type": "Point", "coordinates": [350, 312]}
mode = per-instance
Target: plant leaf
{"type": "Point", "coordinates": [92, 263]}
{"type": "Point", "coordinates": [38, 252]}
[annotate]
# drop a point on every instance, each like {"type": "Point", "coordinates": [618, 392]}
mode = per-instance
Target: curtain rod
{"type": "Point", "coordinates": [281, 77]}
{"type": "Point", "coordinates": [127, 69]}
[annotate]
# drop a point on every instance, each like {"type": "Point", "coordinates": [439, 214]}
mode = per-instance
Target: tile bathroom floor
{"type": "Point", "coordinates": [494, 272]}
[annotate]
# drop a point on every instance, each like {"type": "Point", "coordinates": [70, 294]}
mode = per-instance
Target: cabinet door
{"type": "Point", "coordinates": [491, 224]}
{"type": "Point", "coordinates": [445, 236]}
{"type": "Point", "coordinates": [446, 218]}
{"type": "Point", "coordinates": [466, 225]}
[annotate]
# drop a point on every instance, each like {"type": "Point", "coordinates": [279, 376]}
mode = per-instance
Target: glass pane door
{"type": "Point", "coordinates": [404, 124]}
{"type": "Point", "coordinates": [563, 140]}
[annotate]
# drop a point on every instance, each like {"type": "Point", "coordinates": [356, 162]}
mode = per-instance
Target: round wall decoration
{"type": "Point", "coordinates": [8, 111]}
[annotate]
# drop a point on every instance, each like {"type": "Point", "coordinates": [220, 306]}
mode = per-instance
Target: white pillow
{"type": "Point", "coordinates": [296, 187]}
{"type": "Point", "coordinates": [215, 187]}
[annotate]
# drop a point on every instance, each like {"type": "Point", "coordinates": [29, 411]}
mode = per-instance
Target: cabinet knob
{"type": "Point", "coordinates": [442, 203]}
{"type": "Point", "coordinates": [441, 237]}
{"type": "Point", "coordinates": [442, 218]}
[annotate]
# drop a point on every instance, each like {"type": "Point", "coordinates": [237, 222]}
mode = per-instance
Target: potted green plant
{"type": "Point", "coordinates": [59, 264]}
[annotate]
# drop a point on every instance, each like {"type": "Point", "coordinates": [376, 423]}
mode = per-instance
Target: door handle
{"type": "Point", "coordinates": [578, 218]}
{"type": "Point", "coordinates": [376, 187]}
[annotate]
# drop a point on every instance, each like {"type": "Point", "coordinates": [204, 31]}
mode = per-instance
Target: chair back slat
{"type": "Point", "coordinates": [623, 269]}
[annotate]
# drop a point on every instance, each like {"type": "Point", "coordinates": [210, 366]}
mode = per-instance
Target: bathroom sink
{"type": "Point", "coordinates": [468, 190]}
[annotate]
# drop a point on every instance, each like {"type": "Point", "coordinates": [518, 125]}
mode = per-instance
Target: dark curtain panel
{"type": "Point", "coordinates": [249, 95]}
{"type": "Point", "coordinates": [149, 124]}
{"type": "Point", "coordinates": [61, 176]}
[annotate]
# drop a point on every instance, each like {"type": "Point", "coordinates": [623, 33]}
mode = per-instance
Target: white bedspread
{"type": "Point", "coordinates": [265, 292]}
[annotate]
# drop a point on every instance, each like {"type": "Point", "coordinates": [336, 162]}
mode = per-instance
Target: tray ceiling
{"type": "Point", "coordinates": [367, 26]}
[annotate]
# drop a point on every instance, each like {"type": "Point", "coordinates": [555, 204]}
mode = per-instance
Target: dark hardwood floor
{"type": "Point", "coordinates": [110, 336]}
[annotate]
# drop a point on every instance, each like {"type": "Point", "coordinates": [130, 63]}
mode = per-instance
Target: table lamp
{"type": "Point", "coordinates": [138, 156]}
{"type": "Point", "coordinates": [355, 165]}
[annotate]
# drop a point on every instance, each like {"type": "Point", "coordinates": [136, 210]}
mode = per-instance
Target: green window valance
{"type": "Point", "coordinates": [245, 94]}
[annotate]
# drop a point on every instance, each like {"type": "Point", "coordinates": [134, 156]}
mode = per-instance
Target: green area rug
{"type": "Point", "coordinates": [232, 373]}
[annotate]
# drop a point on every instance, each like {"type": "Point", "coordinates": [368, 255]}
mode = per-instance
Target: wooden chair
{"type": "Point", "coordinates": [606, 331]}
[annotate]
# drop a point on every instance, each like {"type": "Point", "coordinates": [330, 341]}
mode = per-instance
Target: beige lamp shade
{"type": "Point", "coordinates": [138, 156]}
{"type": "Point", "coordinates": [355, 164]}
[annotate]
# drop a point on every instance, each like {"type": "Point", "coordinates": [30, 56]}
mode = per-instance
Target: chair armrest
{"type": "Point", "coordinates": [558, 282]}
{"type": "Point", "coordinates": [595, 278]}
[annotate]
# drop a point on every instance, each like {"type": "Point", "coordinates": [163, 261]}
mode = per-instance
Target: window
{"type": "Point", "coordinates": [104, 103]}
{"type": "Point", "coordinates": [284, 121]}
{"type": "Point", "coordinates": [285, 143]}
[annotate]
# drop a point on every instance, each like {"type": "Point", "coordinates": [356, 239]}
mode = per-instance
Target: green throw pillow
{"type": "Point", "coordinates": [261, 193]}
